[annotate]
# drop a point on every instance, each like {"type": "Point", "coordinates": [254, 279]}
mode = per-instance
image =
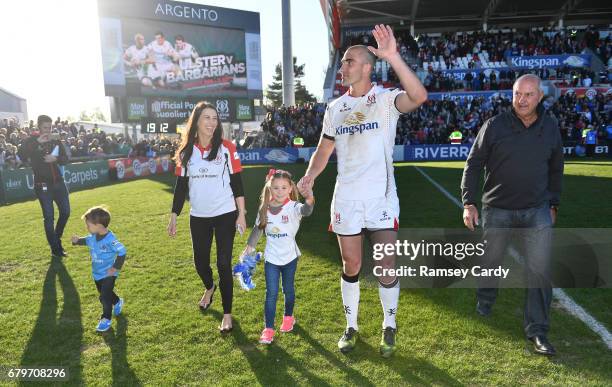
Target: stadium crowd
{"type": "Point", "coordinates": [283, 124]}
{"type": "Point", "coordinates": [435, 120]}
{"type": "Point", "coordinates": [428, 50]}
{"type": "Point", "coordinates": [80, 144]}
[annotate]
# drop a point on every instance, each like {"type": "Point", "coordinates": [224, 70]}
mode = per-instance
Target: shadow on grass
{"type": "Point", "coordinates": [56, 341]}
{"type": "Point", "coordinates": [352, 375]}
{"type": "Point", "coordinates": [123, 375]}
{"type": "Point", "coordinates": [270, 364]}
{"type": "Point", "coordinates": [412, 370]}
{"type": "Point", "coordinates": [582, 199]}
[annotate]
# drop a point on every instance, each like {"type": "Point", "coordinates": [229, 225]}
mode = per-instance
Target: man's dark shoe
{"type": "Point", "coordinates": [483, 308]}
{"type": "Point", "coordinates": [542, 346]}
{"type": "Point", "coordinates": [61, 250]}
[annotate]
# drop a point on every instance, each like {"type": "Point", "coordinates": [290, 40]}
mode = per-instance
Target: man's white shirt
{"type": "Point", "coordinates": [363, 130]}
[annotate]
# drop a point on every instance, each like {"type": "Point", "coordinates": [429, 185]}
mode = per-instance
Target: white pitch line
{"type": "Point", "coordinates": [564, 300]}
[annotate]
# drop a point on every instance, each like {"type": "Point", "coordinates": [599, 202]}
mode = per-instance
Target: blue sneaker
{"type": "Point", "coordinates": [103, 325]}
{"type": "Point", "coordinates": [118, 307]}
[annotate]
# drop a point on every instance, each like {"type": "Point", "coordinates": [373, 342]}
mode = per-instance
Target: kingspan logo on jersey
{"type": "Point", "coordinates": [354, 123]}
{"type": "Point", "coordinates": [276, 233]}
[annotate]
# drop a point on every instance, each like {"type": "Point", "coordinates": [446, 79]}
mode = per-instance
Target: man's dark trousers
{"type": "Point", "coordinates": [47, 194]}
{"type": "Point", "coordinates": [532, 227]}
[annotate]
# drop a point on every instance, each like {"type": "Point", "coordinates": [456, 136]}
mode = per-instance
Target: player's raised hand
{"type": "Point", "coordinates": [387, 47]}
{"type": "Point", "coordinates": [75, 239]}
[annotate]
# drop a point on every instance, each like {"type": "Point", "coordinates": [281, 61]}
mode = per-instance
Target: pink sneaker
{"type": "Point", "coordinates": [287, 325]}
{"type": "Point", "coordinates": [267, 336]}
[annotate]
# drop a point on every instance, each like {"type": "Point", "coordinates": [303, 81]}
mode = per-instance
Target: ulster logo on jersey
{"type": "Point", "coordinates": [219, 159]}
{"type": "Point", "coordinates": [285, 219]}
{"type": "Point", "coordinates": [371, 100]}
{"type": "Point", "coordinates": [337, 221]}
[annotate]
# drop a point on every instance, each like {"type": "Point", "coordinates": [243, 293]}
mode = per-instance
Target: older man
{"type": "Point", "coordinates": [521, 152]}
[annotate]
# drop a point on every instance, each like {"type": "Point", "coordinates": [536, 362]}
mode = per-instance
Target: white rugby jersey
{"type": "Point", "coordinates": [280, 231]}
{"type": "Point", "coordinates": [163, 54]}
{"type": "Point", "coordinates": [210, 193]}
{"type": "Point", "coordinates": [363, 129]}
{"type": "Point", "coordinates": [134, 52]}
{"type": "Point", "coordinates": [187, 52]}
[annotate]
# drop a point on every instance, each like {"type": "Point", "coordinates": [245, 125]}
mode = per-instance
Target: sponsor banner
{"type": "Point", "coordinates": [459, 74]}
{"type": "Point", "coordinates": [400, 153]}
{"type": "Point", "coordinates": [471, 95]}
{"type": "Point", "coordinates": [136, 109]}
{"type": "Point", "coordinates": [600, 150]}
{"type": "Point", "coordinates": [589, 92]}
{"type": "Point", "coordinates": [353, 32]}
{"type": "Point", "coordinates": [436, 152]}
{"type": "Point", "coordinates": [19, 183]}
{"type": "Point", "coordinates": [179, 109]}
{"type": "Point", "coordinates": [139, 167]}
{"type": "Point", "coordinates": [244, 110]}
{"type": "Point", "coordinates": [543, 61]}
{"type": "Point", "coordinates": [524, 62]}
{"type": "Point", "coordinates": [268, 155]}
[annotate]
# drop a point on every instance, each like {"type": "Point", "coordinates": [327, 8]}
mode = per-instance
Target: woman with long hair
{"type": "Point", "coordinates": [209, 169]}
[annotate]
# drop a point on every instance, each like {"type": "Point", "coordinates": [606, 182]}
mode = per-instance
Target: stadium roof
{"type": "Point", "coordinates": [3, 90]}
{"type": "Point", "coordinates": [449, 15]}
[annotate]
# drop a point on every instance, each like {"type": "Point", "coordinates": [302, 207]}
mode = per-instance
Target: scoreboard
{"type": "Point", "coordinates": [152, 126]}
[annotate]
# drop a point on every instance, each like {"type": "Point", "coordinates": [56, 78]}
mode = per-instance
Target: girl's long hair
{"type": "Point", "coordinates": [266, 194]}
{"type": "Point", "coordinates": [185, 150]}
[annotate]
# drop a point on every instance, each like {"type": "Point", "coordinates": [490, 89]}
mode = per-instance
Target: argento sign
{"type": "Point", "coordinates": [186, 11]}
{"type": "Point", "coordinates": [179, 12]}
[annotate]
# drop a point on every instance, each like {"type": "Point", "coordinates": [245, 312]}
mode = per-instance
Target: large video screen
{"type": "Point", "coordinates": [172, 49]}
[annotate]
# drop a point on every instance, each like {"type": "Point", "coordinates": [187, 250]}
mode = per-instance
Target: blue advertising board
{"type": "Point", "coordinates": [268, 155]}
{"type": "Point", "coordinates": [543, 61]}
{"type": "Point", "coordinates": [445, 152]}
{"type": "Point", "coordinates": [470, 95]}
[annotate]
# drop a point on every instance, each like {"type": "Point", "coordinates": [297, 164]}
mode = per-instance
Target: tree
{"type": "Point", "coordinates": [84, 116]}
{"type": "Point", "coordinates": [96, 115]}
{"type": "Point", "coordinates": [274, 91]}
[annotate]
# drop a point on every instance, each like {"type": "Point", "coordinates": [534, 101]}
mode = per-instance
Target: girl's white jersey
{"type": "Point", "coordinates": [280, 231]}
{"type": "Point", "coordinates": [363, 130]}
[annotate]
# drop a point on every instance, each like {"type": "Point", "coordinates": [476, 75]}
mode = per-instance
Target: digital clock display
{"type": "Point", "coordinates": [148, 126]}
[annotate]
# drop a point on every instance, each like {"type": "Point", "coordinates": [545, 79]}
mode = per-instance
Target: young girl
{"type": "Point", "coordinates": [279, 217]}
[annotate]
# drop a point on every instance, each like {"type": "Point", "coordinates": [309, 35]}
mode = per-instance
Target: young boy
{"type": "Point", "coordinates": [107, 257]}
